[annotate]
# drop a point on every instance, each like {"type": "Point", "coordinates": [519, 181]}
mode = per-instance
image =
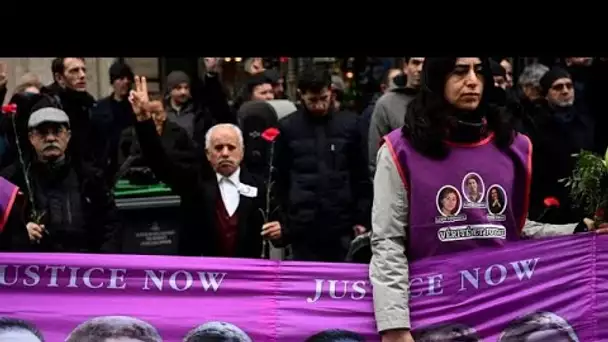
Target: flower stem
{"type": "Point", "coordinates": [268, 193]}
{"type": "Point", "coordinates": [34, 215]}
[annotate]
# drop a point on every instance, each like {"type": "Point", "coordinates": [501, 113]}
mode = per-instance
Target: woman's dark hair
{"type": "Point", "coordinates": [429, 115]}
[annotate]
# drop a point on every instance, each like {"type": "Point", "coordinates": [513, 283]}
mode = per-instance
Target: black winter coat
{"type": "Point", "coordinates": [323, 182]}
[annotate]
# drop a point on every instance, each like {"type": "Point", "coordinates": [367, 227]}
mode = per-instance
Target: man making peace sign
{"type": "Point", "coordinates": [220, 215]}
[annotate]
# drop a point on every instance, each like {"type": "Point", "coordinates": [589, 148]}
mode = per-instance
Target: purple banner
{"type": "Point", "coordinates": [546, 290]}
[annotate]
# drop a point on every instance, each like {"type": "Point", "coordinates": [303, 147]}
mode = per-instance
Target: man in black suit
{"type": "Point", "coordinates": [221, 215]}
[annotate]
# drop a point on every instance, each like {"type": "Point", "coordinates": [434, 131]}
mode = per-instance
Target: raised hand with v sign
{"type": "Point", "coordinates": [139, 99]}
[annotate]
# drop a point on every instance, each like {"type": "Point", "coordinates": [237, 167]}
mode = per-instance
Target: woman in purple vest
{"type": "Point", "coordinates": [423, 188]}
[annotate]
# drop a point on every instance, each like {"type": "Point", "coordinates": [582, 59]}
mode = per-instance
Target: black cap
{"type": "Point", "coordinates": [119, 70]}
{"type": "Point", "coordinates": [551, 76]}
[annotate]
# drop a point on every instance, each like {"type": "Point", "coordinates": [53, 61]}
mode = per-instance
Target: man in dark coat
{"type": "Point", "coordinates": [69, 92]}
{"type": "Point", "coordinates": [112, 115]}
{"type": "Point", "coordinates": [221, 215]}
{"type": "Point", "coordinates": [322, 176]}
{"type": "Point", "coordinates": [65, 206]}
{"type": "Point", "coordinates": [204, 98]}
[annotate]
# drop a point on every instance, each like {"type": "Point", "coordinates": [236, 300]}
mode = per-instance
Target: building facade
{"type": "Point", "coordinates": [155, 69]}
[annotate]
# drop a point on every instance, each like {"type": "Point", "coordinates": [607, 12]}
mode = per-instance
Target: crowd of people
{"type": "Point", "coordinates": [451, 154]}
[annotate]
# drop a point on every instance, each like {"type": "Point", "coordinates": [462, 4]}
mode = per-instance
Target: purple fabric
{"type": "Point", "coordinates": [276, 302]}
{"type": "Point", "coordinates": [8, 193]}
{"type": "Point", "coordinates": [470, 220]}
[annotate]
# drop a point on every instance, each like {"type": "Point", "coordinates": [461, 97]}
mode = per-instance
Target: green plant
{"type": "Point", "coordinates": [588, 184]}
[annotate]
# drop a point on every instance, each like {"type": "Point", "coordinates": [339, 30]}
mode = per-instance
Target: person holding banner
{"type": "Point", "coordinates": [451, 132]}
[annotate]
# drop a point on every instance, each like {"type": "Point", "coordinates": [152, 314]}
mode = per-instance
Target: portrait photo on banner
{"type": "Point", "coordinates": [335, 335]}
{"type": "Point", "coordinates": [535, 327]}
{"type": "Point", "coordinates": [450, 332]}
{"type": "Point", "coordinates": [496, 200]}
{"type": "Point", "coordinates": [449, 205]}
{"type": "Point", "coordinates": [473, 189]}
{"type": "Point", "coordinates": [539, 327]}
{"type": "Point", "coordinates": [18, 330]}
{"type": "Point", "coordinates": [217, 331]}
{"type": "Point", "coordinates": [116, 329]}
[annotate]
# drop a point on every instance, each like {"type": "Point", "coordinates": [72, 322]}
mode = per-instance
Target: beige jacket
{"type": "Point", "coordinates": [389, 274]}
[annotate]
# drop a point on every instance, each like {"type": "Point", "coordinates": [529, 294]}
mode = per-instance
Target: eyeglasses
{"type": "Point", "coordinates": [561, 86]}
{"type": "Point", "coordinates": [48, 130]}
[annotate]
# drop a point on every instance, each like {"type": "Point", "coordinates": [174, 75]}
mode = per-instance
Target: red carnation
{"type": "Point", "coordinates": [551, 202]}
{"type": "Point", "coordinates": [10, 108]}
{"type": "Point", "coordinates": [600, 213]}
{"type": "Point", "coordinates": [270, 134]}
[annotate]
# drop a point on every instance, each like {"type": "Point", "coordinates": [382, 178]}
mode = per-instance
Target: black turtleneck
{"type": "Point", "coordinates": [467, 126]}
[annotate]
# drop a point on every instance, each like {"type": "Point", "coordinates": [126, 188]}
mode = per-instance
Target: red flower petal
{"type": "Point", "coordinates": [270, 134]}
{"type": "Point", "coordinates": [551, 202]}
{"type": "Point", "coordinates": [10, 108]}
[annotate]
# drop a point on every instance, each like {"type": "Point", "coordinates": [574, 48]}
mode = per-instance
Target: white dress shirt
{"type": "Point", "coordinates": [229, 189]}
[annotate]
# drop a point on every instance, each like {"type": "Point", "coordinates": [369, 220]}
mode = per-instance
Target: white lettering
{"type": "Point", "coordinates": [173, 281]}
{"type": "Point", "coordinates": [54, 276]}
{"type": "Point", "coordinates": [488, 275]}
{"type": "Point", "coordinates": [528, 271]}
{"type": "Point", "coordinates": [435, 283]}
{"type": "Point", "coordinates": [472, 279]}
{"type": "Point", "coordinates": [86, 278]}
{"type": "Point", "coordinates": [318, 291]}
{"type": "Point", "coordinates": [332, 289]}
{"type": "Point", "coordinates": [358, 288]}
{"type": "Point", "coordinates": [73, 277]}
{"type": "Point", "coordinates": [3, 271]}
{"type": "Point", "coordinates": [158, 281]}
{"type": "Point", "coordinates": [210, 280]}
{"type": "Point", "coordinates": [32, 273]}
{"type": "Point", "coordinates": [117, 275]}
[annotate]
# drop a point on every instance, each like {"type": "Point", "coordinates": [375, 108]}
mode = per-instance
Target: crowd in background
{"type": "Point", "coordinates": [70, 149]}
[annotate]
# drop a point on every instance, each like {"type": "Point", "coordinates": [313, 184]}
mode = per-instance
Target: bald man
{"type": "Point", "coordinates": [221, 215]}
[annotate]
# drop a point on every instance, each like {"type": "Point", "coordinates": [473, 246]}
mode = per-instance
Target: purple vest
{"type": "Point", "coordinates": [8, 194]}
{"type": "Point", "coordinates": [476, 197]}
